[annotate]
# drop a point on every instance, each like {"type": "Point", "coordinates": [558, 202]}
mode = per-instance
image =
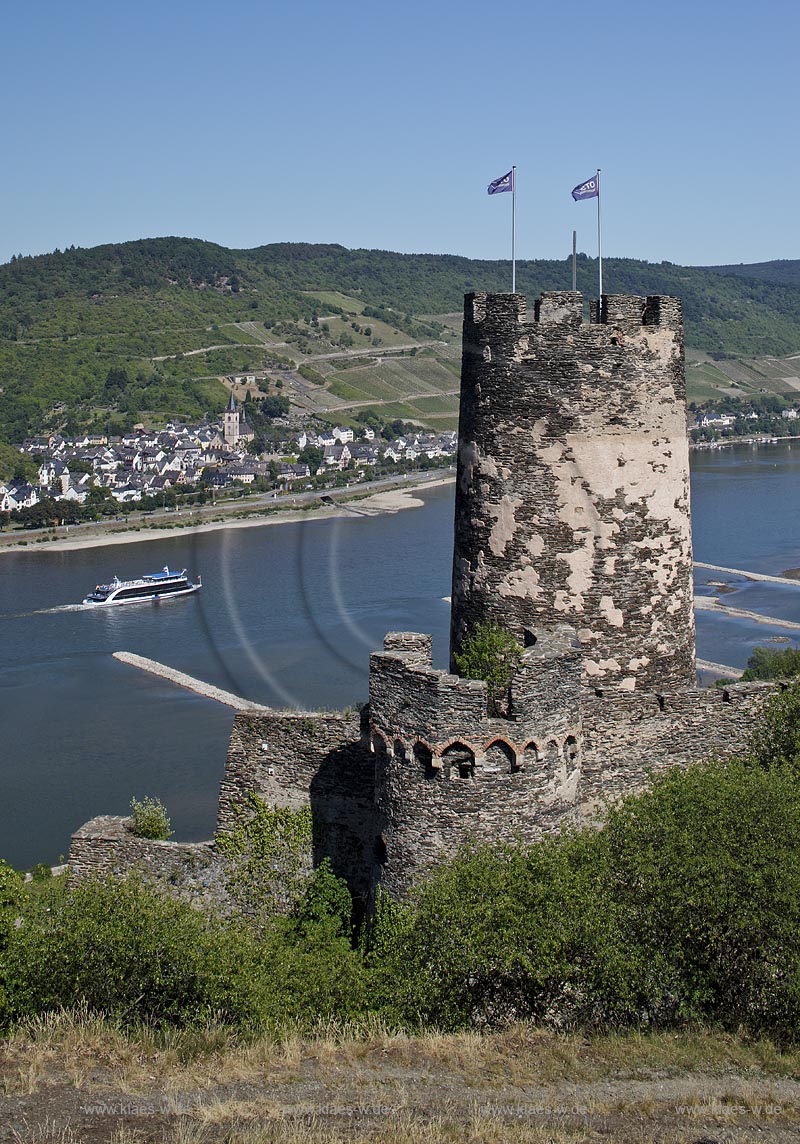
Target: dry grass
{"type": "Point", "coordinates": [352, 1083]}
{"type": "Point", "coordinates": [80, 1047]}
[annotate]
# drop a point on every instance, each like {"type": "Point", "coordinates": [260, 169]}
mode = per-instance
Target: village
{"type": "Point", "coordinates": [152, 467]}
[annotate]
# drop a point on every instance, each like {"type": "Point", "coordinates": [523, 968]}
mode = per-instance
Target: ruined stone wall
{"type": "Point", "coordinates": [321, 760]}
{"type": "Point", "coordinates": [447, 768]}
{"type": "Point", "coordinates": [572, 498]}
{"type": "Point", "coordinates": [431, 802]}
{"type": "Point", "coordinates": [105, 846]}
{"type": "Point", "coordinates": [629, 738]}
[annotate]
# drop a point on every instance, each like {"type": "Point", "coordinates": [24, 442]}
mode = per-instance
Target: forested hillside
{"type": "Point", "coordinates": [101, 337]}
{"type": "Point", "coordinates": [785, 271]}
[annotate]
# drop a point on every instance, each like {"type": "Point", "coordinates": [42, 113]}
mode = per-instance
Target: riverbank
{"type": "Point", "coordinates": [729, 442]}
{"type": "Point", "coordinates": [395, 496]}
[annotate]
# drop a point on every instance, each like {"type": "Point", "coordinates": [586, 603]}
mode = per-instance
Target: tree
{"type": "Point", "coordinates": [311, 455]}
{"type": "Point", "coordinates": [491, 653]}
{"type": "Point", "coordinates": [772, 663]}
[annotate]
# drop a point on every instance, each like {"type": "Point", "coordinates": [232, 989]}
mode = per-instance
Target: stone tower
{"type": "Point", "coordinates": [230, 428]}
{"type": "Point", "coordinates": [572, 498]}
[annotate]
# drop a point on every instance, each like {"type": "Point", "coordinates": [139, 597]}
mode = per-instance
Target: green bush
{"type": "Point", "coordinates": [121, 948]}
{"type": "Point", "coordinates": [267, 860]}
{"type": "Point", "coordinates": [491, 653]}
{"type": "Point", "coordinates": [503, 932]}
{"type": "Point", "coordinates": [704, 872]}
{"type": "Point", "coordinates": [772, 663]}
{"type": "Point", "coordinates": [12, 895]}
{"type": "Point", "coordinates": [684, 908]}
{"type": "Point", "coordinates": [149, 819]}
{"type": "Point", "coordinates": [776, 739]}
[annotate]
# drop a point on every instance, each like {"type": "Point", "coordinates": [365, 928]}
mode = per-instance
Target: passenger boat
{"type": "Point", "coordinates": [161, 585]}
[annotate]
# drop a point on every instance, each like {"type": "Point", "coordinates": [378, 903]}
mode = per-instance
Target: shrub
{"type": "Point", "coordinates": [12, 895]}
{"type": "Point", "coordinates": [268, 859]}
{"type": "Point", "coordinates": [704, 870]}
{"type": "Point", "coordinates": [772, 663]}
{"type": "Point", "coordinates": [503, 932]}
{"type": "Point", "coordinates": [491, 653]}
{"type": "Point", "coordinates": [149, 819]}
{"type": "Point", "coordinates": [684, 908]}
{"type": "Point", "coordinates": [122, 948]}
{"type": "Point", "coordinates": [776, 739]}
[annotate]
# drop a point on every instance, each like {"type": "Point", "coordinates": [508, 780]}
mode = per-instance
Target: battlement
{"type": "Point", "coordinates": [411, 699]}
{"type": "Point", "coordinates": [417, 708]}
{"type": "Point", "coordinates": [565, 309]}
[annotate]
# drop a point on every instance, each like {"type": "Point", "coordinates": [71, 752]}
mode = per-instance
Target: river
{"type": "Point", "coordinates": [288, 615]}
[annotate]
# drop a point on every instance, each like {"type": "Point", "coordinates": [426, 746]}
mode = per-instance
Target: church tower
{"type": "Point", "coordinates": [231, 423]}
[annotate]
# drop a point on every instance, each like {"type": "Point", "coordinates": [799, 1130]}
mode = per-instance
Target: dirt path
{"type": "Point", "coordinates": [512, 1088]}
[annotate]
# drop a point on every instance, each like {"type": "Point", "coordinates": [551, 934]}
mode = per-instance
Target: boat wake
{"type": "Point", "coordinates": [49, 611]}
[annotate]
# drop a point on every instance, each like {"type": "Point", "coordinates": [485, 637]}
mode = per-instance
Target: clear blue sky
{"type": "Point", "coordinates": [380, 125]}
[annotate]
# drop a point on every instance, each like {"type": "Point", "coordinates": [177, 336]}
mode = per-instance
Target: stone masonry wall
{"type": "Point", "coordinates": [446, 768]}
{"type": "Point", "coordinates": [624, 740]}
{"type": "Point", "coordinates": [631, 738]}
{"type": "Point", "coordinates": [572, 497]}
{"type": "Point", "coordinates": [309, 759]}
{"type": "Point", "coordinates": [105, 846]}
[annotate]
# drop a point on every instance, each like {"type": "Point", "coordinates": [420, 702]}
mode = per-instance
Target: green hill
{"type": "Point", "coordinates": [146, 329]}
{"type": "Point", "coordinates": [785, 271]}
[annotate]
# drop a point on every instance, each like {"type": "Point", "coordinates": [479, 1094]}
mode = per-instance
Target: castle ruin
{"type": "Point", "coordinates": [572, 531]}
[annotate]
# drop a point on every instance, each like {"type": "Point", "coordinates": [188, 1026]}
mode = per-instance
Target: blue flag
{"type": "Point", "coordinates": [504, 183]}
{"type": "Point", "coordinates": [588, 190]}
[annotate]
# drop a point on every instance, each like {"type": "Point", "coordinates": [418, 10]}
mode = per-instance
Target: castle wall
{"type": "Point", "coordinates": [630, 738]}
{"type": "Point", "coordinates": [311, 759]}
{"type": "Point", "coordinates": [621, 741]}
{"type": "Point", "coordinates": [105, 846]}
{"type": "Point", "coordinates": [572, 498]}
{"type": "Point", "coordinates": [447, 768]}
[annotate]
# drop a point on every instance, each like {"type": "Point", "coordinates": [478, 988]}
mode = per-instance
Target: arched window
{"type": "Point", "coordinates": [424, 757]}
{"type": "Point", "coordinates": [531, 756]}
{"type": "Point", "coordinates": [400, 751]}
{"type": "Point", "coordinates": [461, 761]}
{"type": "Point", "coordinates": [500, 757]}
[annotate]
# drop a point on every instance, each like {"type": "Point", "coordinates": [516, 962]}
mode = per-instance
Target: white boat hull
{"type": "Point", "coordinates": [90, 603]}
{"type": "Point", "coordinates": [151, 588]}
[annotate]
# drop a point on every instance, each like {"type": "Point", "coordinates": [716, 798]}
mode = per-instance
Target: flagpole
{"type": "Point", "coordinates": [599, 242]}
{"type": "Point", "coordinates": [513, 230]}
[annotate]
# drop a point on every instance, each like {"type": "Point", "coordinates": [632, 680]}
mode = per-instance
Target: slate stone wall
{"type": "Point", "coordinates": [629, 738]}
{"type": "Point", "coordinates": [572, 497]}
{"type": "Point", "coordinates": [105, 846]}
{"type": "Point", "coordinates": [318, 759]}
{"type": "Point", "coordinates": [448, 768]}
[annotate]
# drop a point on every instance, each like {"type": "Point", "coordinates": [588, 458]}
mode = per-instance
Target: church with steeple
{"type": "Point", "coordinates": [235, 428]}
